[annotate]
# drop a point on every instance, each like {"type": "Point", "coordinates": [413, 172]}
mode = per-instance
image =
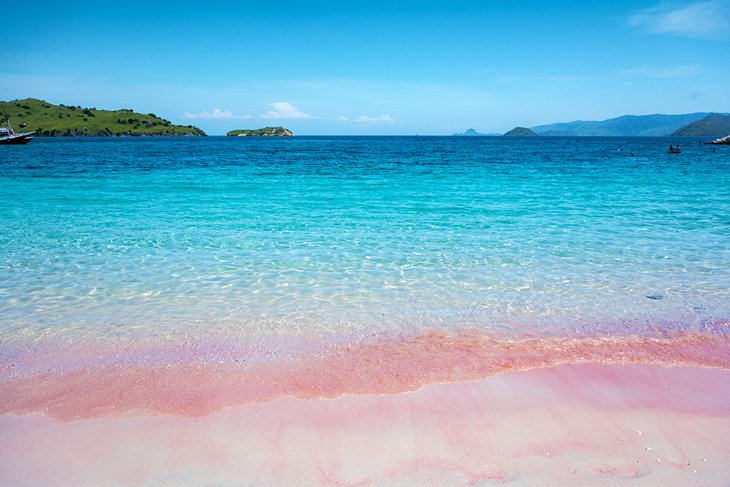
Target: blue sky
{"type": "Point", "coordinates": [371, 67]}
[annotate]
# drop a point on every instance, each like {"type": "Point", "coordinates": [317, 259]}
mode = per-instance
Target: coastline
{"type": "Point", "coordinates": [207, 374]}
{"type": "Point", "coordinates": [558, 425]}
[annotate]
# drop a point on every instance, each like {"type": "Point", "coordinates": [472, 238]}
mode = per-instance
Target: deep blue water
{"type": "Point", "coordinates": [354, 234]}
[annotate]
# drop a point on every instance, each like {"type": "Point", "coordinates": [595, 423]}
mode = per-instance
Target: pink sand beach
{"type": "Point", "coordinates": [458, 409]}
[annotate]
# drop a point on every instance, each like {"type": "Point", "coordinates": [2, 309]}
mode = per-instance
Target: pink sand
{"type": "Point", "coordinates": [562, 425]}
{"type": "Point", "coordinates": [459, 407]}
{"type": "Point", "coordinates": [198, 382]}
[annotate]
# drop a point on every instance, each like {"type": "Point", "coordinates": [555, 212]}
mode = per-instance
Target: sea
{"type": "Point", "coordinates": [264, 249]}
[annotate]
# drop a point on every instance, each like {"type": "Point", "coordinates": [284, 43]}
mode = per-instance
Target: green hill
{"type": "Point", "coordinates": [714, 125]}
{"type": "Point", "coordinates": [50, 120]}
{"type": "Point", "coordinates": [263, 132]}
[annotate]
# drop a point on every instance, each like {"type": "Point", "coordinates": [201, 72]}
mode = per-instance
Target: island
{"type": "Point", "coordinates": [262, 132]}
{"type": "Point", "coordinates": [474, 133]}
{"type": "Point", "coordinates": [468, 133]}
{"type": "Point", "coordinates": [520, 132]}
{"type": "Point", "coordinates": [49, 120]}
{"type": "Point", "coordinates": [713, 125]}
{"type": "Point", "coordinates": [656, 125]}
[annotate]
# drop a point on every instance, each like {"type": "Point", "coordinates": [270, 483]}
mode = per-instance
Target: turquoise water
{"type": "Point", "coordinates": [359, 235]}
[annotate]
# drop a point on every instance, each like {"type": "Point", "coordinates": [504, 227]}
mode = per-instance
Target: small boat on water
{"type": "Point", "coordinates": [9, 137]}
{"type": "Point", "coordinates": [674, 150]}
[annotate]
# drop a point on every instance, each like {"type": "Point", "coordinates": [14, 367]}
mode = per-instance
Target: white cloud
{"type": "Point", "coordinates": [678, 71]}
{"type": "Point", "coordinates": [284, 110]}
{"type": "Point", "coordinates": [709, 19]}
{"type": "Point", "coordinates": [387, 119]}
{"type": "Point", "coordinates": [216, 114]}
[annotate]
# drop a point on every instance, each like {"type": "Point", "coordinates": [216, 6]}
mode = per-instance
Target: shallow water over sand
{"type": "Point", "coordinates": [351, 236]}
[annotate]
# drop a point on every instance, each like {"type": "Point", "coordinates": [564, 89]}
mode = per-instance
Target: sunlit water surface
{"type": "Point", "coordinates": [350, 236]}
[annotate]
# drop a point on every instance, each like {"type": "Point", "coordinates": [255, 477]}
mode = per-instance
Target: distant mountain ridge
{"type": "Point", "coordinates": [656, 125]}
{"type": "Point", "coordinates": [714, 125]}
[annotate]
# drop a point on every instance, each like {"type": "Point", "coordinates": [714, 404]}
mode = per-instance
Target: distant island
{"type": "Point", "coordinates": [520, 132]}
{"type": "Point", "coordinates": [472, 133]}
{"type": "Point", "coordinates": [714, 125]}
{"type": "Point", "coordinates": [49, 120]}
{"type": "Point", "coordinates": [656, 125]}
{"type": "Point", "coordinates": [262, 132]}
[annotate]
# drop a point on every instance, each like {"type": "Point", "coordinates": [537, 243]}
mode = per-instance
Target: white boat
{"type": "Point", "coordinates": [9, 137]}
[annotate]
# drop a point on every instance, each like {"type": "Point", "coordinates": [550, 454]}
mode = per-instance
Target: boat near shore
{"type": "Point", "coordinates": [9, 137]}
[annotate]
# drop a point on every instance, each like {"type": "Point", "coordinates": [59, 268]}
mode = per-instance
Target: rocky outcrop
{"type": "Point", "coordinates": [86, 132]}
{"type": "Point", "coordinates": [721, 141]}
{"type": "Point", "coordinates": [520, 132]}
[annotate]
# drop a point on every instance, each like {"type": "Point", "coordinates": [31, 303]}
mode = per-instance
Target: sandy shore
{"type": "Point", "coordinates": [562, 425]}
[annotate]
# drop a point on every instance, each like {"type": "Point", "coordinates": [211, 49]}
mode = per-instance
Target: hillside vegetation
{"type": "Point", "coordinates": [263, 132]}
{"type": "Point", "coordinates": [49, 120]}
{"type": "Point", "coordinates": [714, 125]}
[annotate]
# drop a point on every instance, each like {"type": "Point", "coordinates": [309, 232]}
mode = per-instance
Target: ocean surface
{"type": "Point", "coordinates": [287, 246]}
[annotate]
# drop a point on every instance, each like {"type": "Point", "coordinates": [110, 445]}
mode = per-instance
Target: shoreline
{"type": "Point", "coordinates": [194, 379]}
{"type": "Point", "coordinates": [559, 425]}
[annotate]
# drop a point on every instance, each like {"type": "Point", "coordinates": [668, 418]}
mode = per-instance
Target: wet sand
{"type": "Point", "coordinates": [584, 424]}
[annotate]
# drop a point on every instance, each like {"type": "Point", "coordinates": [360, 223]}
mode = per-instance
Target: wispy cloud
{"type": "Point", "coordinates": [279, 110]}
{"type": "Point", "coordinates": [679, 71]}
{"type": "Point", "coordinates": [706, 19]}
{"type": "Point", "coordinates": [510, 78]}
{"type": "Point", "coordinates": [386, 119]}
{"type": "Point", "coordinates": [284, 110]}
{"type": "Point", "coordinates": [216, 114]}
{"type": "Point", "coordinates": [695, 95]}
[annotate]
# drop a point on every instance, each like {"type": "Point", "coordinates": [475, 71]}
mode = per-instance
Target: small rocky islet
{"type": "Point", "coordinates": [262, 132]}
{"type": "Point", "coordinates": [520, 132]}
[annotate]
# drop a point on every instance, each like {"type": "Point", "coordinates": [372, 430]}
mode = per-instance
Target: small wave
{"type": "Point", "coordinates": [199, 380]}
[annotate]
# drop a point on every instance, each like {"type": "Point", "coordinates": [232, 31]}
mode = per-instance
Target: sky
{"type": "Point", "coordinates": [376, 67]}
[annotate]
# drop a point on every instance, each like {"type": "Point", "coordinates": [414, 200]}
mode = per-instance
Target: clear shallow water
{"type": "Point", "coordinates": [348, 236]}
